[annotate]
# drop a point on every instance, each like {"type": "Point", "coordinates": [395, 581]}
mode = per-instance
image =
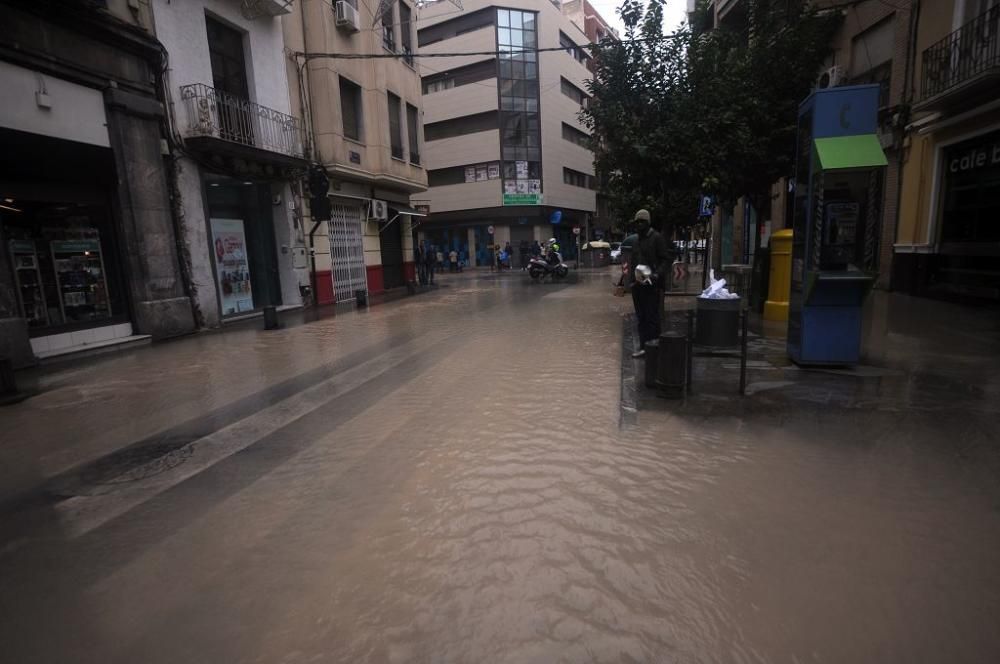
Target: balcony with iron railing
{"type": "Point", "coordinates": [229, 123]}
{"type": "Point", "coordinates": [964, 66]}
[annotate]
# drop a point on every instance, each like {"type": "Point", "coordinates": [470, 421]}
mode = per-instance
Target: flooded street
{"type": "Point", "coordinates": [446, 479]}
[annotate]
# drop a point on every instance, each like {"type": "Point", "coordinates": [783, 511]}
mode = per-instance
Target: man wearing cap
{"type": "Point", "coordinates": [650, 250]}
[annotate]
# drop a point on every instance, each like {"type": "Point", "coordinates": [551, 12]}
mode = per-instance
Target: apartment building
{"type": "Point", "coordinates": [505, 148]}
{"type": "Point", "coordinates": [237, 151]}
{"type": "Point", "coordinates": [363, 125]}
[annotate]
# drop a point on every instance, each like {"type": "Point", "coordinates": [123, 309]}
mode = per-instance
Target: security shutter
{"type": "Point", "coordinates": [347, 252]}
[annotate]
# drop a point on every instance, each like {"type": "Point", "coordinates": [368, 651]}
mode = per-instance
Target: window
{"type": "Point", "coordinates": [574, 93]}
{"type": "Point", "coordinates": [447, 29]}
{"type": "Point", "coordinates": [574, 135]}
{"type": "Point", "coordinates": [520, 136]}
{"type": "Point", "coordinates": [576, 178]}
{"type": "Point", "coordinates": [350, 109]}
{"type": "Point", "coordinates": [395, 128]}
{"type": "Point", "coordinates": [440, 177]}
{"type": "Point", "coordinates": [388, 27]}
{"type": "Point", "coordinates": [406, 32]}
{"type": "Point", "coordinates": [412, 131]}
{"type": "Point", "coordinates": [478, 71]}
{"type": "Point", "coordinates": [460, 126]}
{"type": "Point", "coordinates": [229, 78]}
{"type": "Point", "coordinates": [571, 48]}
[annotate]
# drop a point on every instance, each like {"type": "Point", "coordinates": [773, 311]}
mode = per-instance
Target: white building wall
{"type": "Point", "coordinates": [480, 147]}
{"type": "Point", "coordinates": [464, 100]}
{"type": "Point", "coordinates": [180, 27]}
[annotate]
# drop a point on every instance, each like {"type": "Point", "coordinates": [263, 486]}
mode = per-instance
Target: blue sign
{"type": "Point", "coordinates": [706, 206]}
{"type": "Point", "coordinates": [555, 217]}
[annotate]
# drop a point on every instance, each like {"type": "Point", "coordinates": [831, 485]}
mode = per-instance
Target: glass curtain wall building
{"type": "Point", "coordinates": [521, 150]}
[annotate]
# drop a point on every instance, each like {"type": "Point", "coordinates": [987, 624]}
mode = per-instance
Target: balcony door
{"type": "Point", "coordinates": [229, 78]}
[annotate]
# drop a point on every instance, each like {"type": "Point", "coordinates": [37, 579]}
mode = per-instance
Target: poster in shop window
{"type": "Point", "coordinates": [522, 170]}
{"type": "Point", "coordinates": [481, 174]}
{"type": "Point", "coordinates": [510, 186]}
{"type": "Point", "coordinates": [534, 186]}
{"type": "Point", "coordinates": [494, 171]}
{"type": "Point", "coordinates": [232, 265]}
{"type": "Point", "coordinates": [470, 173]}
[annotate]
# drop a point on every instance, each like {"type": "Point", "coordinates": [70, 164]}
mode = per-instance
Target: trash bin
{"type": "Point", "coordinates": [271, 318]}
{"type": "Point", "coordinates": [718, 322]}
{"type": "Point", "coordinates": [361, 298]}
{"type": "Point", "coordinates": [652, 349]}
{"type": "Point", "coordinates": [671, 363]}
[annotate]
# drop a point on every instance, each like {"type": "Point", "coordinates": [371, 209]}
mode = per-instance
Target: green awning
{"type": "Point", "coordinates": [862, 151]}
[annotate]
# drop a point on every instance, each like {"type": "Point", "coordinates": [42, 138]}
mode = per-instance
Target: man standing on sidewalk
{"type": "Point", "coordinates": [650, 250]}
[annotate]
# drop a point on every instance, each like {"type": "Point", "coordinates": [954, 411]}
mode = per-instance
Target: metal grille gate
{"type": "Point", "coordinates": [347, 252]}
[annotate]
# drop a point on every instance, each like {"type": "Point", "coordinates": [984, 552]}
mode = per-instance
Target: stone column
{"type": "Point", "coordinates": [160, 306]}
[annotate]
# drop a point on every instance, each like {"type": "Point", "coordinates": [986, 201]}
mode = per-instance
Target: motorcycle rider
{"type": "Point", "coordinates": [552, 252]}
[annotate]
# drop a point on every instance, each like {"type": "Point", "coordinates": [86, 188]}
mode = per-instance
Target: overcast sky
{"type": "Point", "coordinates": [674, 13]}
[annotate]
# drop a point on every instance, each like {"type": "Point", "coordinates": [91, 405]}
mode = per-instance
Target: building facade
{"type": "Point", "coordinates": [505, 148]}
{"type": "Point", "coordinates": [89, 253]}
{"type": "Point", "coordinates": [363, 118]}
{"type": "Point", "coordinates": [948, 241]}
{"type": "Point", "coordinates": [237, 154]}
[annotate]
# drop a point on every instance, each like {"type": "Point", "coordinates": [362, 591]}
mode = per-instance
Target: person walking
{"type": "Point", "coordinates": [453, 260]}
{"type": "Point", "coordinates": [440, 259]}
{"type": "Point", "coordinates": [419, 261]}
{"type": "Point", "coordinates": [429, 259]}
{"type": "Point", "coordinates": [647, 295]}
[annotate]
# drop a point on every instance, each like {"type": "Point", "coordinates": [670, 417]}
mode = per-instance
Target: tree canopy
{"type": "Point", "coordinates": [702, 111]}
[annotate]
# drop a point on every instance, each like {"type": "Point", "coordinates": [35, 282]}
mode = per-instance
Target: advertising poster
{"type": "Point", "coordinates": [494, 171]}
{"type": "Point", "coordinates": [522, 187]}
{"type": "Point", "coordinates": [232, 265]}
{"type": "Point", "coordinates": [510, 186]}
{"type": "Point", "coordinates": [522, 170]}
{"type": "Point", "coordinates": [481, 174]}
{"type": "Point", "coordinates": [534, 186]}
{"type": "Point", "coordinates": [470, 173]}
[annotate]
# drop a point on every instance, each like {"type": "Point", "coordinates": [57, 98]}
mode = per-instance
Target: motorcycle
{"type": "Point", "coordinates": [539, 268]}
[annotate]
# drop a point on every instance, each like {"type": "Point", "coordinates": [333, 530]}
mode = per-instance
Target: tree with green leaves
{"type": "Point", "coordinates": [701, 110]}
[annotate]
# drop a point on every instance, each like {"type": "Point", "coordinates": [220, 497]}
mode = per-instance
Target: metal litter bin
{"type": "Point", "coordinates": [718, 323]}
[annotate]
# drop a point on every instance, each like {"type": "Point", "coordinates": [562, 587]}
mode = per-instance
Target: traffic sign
{"type": "Point", "coordinates": [576, 230]}
{"type": "Point", "coordinates": [490, 229]}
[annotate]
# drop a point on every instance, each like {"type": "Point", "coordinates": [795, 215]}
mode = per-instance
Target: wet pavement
{"type": "Point", "coordinates": [447, 478]}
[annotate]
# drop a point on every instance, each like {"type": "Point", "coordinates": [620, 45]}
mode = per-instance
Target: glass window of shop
{"type": "Point", "coordinates": [241, 233]}
{"type": "Point", "coordinates": [63, 261]}
{"type": "Point", "coordinates": [970, 207]}
{"type": "Point", "coordinates": [519, 102]}
{"type": "Point", "coordinates": [447, 240]}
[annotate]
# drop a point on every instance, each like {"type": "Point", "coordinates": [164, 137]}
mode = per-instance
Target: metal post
{"type": "Point", "coordinates": [690, 347]}
{"type": "Point", "coordinates": [743, 351]}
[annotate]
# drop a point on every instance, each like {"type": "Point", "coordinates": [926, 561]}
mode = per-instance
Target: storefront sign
{"type": "Point", "coordinates": [232, 265]}
{"type": "Point", "coordinates": [974, 158]}
{"type": "Point", "coordinates": [522, 199]}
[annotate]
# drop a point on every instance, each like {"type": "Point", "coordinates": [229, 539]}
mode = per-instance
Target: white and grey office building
{"type": "Point", "coordinates": [504, 143]}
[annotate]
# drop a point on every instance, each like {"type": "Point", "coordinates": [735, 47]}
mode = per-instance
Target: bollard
{"type": "Point", "coordinates": [8, 385]}
{"type": "Point", "coordinates": [652, 349]}
{"type": "Point", "coordinates": [361, 298]}
{"type": "Point", "coordinates": [271, 318]}
{"type": "Point", "coordinates": [671, 374]}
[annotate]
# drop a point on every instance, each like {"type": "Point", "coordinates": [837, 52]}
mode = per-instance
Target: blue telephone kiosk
{"type": "Point", "coordinates": [838, 203]}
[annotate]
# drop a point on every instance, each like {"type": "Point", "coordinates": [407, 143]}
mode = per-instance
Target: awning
{"type": "Point", "coordinates": [413, 212]}
{"type": "Point", "coordinates": [862, 151]}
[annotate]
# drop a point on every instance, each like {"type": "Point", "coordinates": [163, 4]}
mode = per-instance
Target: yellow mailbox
{"type": "Point", "coordinates": [780, 282]}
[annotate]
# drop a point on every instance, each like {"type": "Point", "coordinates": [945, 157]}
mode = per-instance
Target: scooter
{"type": "Point", "coordinates": [539, 268]}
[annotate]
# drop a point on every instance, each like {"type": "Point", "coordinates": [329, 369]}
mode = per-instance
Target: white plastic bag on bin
{"type": "Point", "coordinates": [717, 289]}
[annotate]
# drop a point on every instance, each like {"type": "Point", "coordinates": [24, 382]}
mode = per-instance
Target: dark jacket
{"type": "Point", "coordinates": [652, 251]}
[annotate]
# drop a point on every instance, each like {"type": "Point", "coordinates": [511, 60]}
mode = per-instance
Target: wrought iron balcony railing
{"type": "Point", "coordinates": [219, 114]}
{"type": "Point", "coordinates": [966, 53]}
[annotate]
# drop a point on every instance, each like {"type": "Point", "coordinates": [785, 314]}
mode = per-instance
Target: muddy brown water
{"type": "Point", "coordinates": [477, 501]}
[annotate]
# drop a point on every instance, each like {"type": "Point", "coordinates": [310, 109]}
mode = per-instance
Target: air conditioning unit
{"type": "Point", "coordinates": [347, 16]}
{"type": "Point", "coordinates": [379, 211]}
{"type": "Point", "coordinates": [830, 78]}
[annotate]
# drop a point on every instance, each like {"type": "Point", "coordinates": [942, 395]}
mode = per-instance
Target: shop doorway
{"type": "Point", "coordinates": [241, 232]}
{"type": "Point", "coordinates": [391, 242]}
{"type": "Point", "coordinates": [521, 238]}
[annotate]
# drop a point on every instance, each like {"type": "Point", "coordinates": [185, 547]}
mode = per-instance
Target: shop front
{"type": "Point", "coordinates": [243, 251]}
